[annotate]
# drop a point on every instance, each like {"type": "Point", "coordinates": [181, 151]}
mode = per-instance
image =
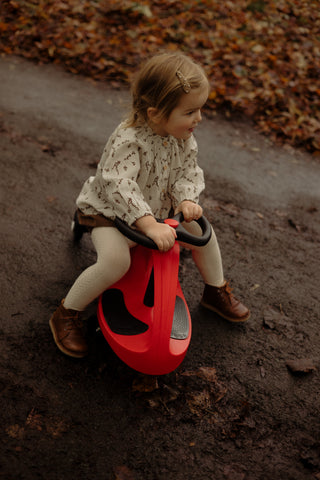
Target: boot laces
{"type": "Point", "coordinates": [72, 322]}
{"type": "Point", "coordinates": [228, 291]}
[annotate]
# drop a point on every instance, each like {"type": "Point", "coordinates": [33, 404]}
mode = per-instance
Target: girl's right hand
{"type": "Point", "coordinates": [162, 234]}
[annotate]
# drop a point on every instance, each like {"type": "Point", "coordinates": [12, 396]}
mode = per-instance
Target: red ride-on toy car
{"type": "Point", "coordinates": [144, 316]}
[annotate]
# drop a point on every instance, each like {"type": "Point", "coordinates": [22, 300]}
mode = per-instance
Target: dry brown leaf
{"type": "Point", "coordinates": [274, 319]}
{"type": "Point", "coordinates": [15, 431]}
{"type": "Point", "coordinates": [206, 373]}
{"type": "Point", "coordinates": [123, 473]}
{"type": "Point", "coordinates": [304, 365]}
{"type": "Point", "coordinates": [34, 420]}
{"type": "Point", "coordinates": [57, 427]}
{"type": "Point", "coordinates": [199, 402]}
{"type": "Point", "coordinates": [145, 383]}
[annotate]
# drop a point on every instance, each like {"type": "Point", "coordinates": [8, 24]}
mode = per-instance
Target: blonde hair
{"type": "Point", "coordinates": [161, 82]}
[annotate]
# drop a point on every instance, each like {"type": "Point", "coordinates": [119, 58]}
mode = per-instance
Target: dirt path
{"type": "Point", "coordinates": [251, 418]}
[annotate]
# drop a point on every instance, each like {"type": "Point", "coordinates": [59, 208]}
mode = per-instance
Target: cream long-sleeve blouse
{"type": "Point", "coordinates": [141, 173]}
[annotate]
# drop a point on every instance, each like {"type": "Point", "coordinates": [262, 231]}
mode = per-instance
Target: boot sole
{"type": "Point", "coordinates": [61, 347]}
{"type": "Point", "coordinates": [230, 319]}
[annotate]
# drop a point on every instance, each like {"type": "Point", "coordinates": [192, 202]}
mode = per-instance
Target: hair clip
{"type": "Point", "coordinates": [186, 87]}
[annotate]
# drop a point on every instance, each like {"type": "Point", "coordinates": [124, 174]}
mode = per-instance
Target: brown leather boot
{"type": "Point", "coordinates": [67, 333]}
{"type": "Point", "coordinates": [223, 302]}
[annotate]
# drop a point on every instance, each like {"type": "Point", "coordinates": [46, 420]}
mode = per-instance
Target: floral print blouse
{"type": "Point", "coordinates": [141, 173]}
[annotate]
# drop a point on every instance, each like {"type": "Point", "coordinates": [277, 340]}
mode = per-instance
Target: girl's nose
{"type": "Point", "coordinates": [199, 116]}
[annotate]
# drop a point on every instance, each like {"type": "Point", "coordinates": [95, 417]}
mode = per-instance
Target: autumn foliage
{"type": "Point", "coordinates": [262, 56]}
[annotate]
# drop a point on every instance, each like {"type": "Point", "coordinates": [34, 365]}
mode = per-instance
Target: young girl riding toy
{"type": "Point", "coordinates": [148, 171]}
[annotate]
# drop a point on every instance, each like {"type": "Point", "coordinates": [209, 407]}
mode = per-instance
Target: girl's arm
{"type": "Point", "coordinates": [115, 189]}
{"type": "Point", "coordinates": [162, 234]}
{"type": "Point", "coordinates": [188, 183]}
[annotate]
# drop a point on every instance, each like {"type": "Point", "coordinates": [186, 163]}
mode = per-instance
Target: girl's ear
{"type": "Point", "coordinates": [153, 115]}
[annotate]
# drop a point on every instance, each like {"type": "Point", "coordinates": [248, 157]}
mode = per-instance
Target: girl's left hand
{"type": "Point", "coordinates": [191, 211]}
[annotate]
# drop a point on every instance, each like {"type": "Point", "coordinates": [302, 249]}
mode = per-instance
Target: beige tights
{"type": "Point", "coordinates": [113, 261]}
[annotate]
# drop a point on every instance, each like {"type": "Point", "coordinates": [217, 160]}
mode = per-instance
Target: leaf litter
{"type": "Point", "coordinates": [200, 395]}
{"type": "Point", "coordinates": [262, 57]}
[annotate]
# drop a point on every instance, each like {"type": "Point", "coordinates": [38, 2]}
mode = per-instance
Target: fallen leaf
{"type": "Point", "coordinates": [230, 209]}
{"type": "Point", "coordinates": [280, 213]}
{"type": "Point", "coordinates": [231, 474]}
{"type": "Point", "coordinates": [305, 365]}
{"type": "Point", "coordinates": [272, 319]}
{"type": "Point", "coordinates": [145, 383]}
{"type": "Point", "coordinates": [312, 209]}
{"type": "Point", "coordinates": [169, 394]}
{"type": "Point", "coordinates": [199, 402]}
{"type": "Point", "coordinates": [207, 373]}
{"type": "Point", "coordinates": [293, 224]}
{"type": "Point", "coordinates": [238, 143]}
{"type": "Point", "coordinates": [48, 149]}
{"type": "Point", "coordinates": [15, 431]}
{"type": "Point", "coordinates": [34, 420]}
{"type": "Point", "coordinates": [123, 473]}
{"type": "Point", "coordinates": [262, 372]}
{"type": "Point", "coordinates": [56, 427]}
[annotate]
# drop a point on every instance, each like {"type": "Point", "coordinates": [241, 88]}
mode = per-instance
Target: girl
{"type": "Point", "coordinates": [148, 170]}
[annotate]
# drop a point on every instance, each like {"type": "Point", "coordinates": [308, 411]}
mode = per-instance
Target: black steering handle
{"type": "Point", "coordinates": [182, 234]}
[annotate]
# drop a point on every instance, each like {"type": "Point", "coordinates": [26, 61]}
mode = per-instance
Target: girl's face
{"type": "Point", "coordinates": [185, 117]}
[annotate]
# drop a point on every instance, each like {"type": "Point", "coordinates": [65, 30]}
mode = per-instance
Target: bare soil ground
{"type": "Point", "coordinates": [244, 405]}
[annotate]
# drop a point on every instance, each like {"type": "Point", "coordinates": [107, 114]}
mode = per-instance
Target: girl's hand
{"type": "Point", "coordinates": [191, 211]}
{"type": "Point", "coordinates": [162, 234]}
